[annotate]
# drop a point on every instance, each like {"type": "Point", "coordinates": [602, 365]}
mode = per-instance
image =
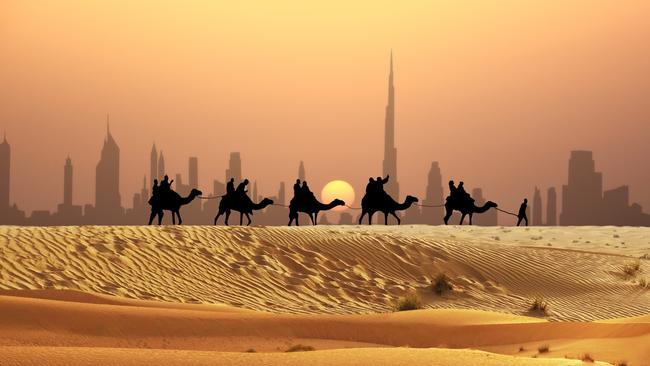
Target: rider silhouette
{"type": "Point", "coordinates": [230, 186]}
{"type": "Point", "coordinates": [165, 185]}
{"type": "Point", "coordinates": [452, 189]}
{"type": "Point", "coordinates": [379, 184]}
{"type": "Point", "coordinates": [241, 188]}
{"type": "Point", "coordinates": [370, 187]}
{"type": "Point", "coordinates": [154, 189]}
{"type": "Point", "coordinates": [305, 192]}
{"type": "Point", "coordinates": [462, 194]}
{"type": "Point", "coordinates": [296, 189]}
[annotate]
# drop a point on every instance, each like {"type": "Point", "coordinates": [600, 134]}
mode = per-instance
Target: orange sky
{"type": "Point", "coordinates": [498, 91]}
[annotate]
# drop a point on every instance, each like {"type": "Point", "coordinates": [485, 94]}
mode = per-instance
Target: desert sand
{"type": "Point", "coordinates": [183, 295]}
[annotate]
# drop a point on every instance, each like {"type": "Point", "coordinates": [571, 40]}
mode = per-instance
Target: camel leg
{"type": "Point", "coordinates": [249, 219]}
{"type": "Point", "coordinates": [152, 216]}
{"type": "Point", "coordinates": [363, 213]}
{"type": "Point", "coordinates": [161, 213]}
{"type": "Point", "coordinates": [462, 217]}
{"type": "Point", "coordinates": [241, 219]}
{"type": "Point", "coordinates": [217, 217]}
{"type": "Point", "coordinates": [180, 220]}
{"type": "Point", "coordinates": [385, 218]}
{"type": "Point", "coordinates": [470, 219]}
{"type": "Point", "coordinates": [448, 214]}
{"type": "Point", "coordinates": [396, 217]}
{"type": "Point", "coordinates": [316, 218]}
{"type": "Point", "coordinates": [291, 217]}
{"type": "Point", "coordinates": [227, 216]}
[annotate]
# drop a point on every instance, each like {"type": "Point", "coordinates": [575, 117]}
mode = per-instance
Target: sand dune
{"type": "Point", "coordinates": [204, 295]}
{"type": "Point", "coordinates": [340, 270]}
{"type": "Point", "coordinates": [214, 334]}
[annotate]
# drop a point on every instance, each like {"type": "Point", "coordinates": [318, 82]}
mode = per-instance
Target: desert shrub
{"type": "Point", "coordinates": [409, 302]}
{"type": "Point", "coordinates": [587, 358]}
{"type": "Point", "coordinates": [539, 306]}
{"type": "Point", "coordinates": [250, 350]}
{"type": "Point", "coordinates": [300, 348]}
{"type": "Point", "coordinates": [631, 269]}
{"type": "Point", "coordinates": [643, 283]}
{"type": "Point", "coordinates": [621, 363]}
{"type": "Point", "coordinates": [521, 348]}
{"type": "Point", "coordinates": [543, 348]}
{"type": "Point", "coordinates": [441, 284]}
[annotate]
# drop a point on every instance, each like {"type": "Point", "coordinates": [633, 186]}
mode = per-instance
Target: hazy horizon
{"type": "Point", "coordinates": [498, 92]}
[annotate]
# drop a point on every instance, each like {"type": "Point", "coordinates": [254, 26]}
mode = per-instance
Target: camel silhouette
{"type": "Point", "coordinates": [244, 205]}
{"type": "Point", "coordinates": [171, 201]}
{"type": "Point", "coordinates": [466, 208]}
{"type": "Point", "coordinates": [310, 208]}
{"type": "Point", "coordinates": [385, 204]}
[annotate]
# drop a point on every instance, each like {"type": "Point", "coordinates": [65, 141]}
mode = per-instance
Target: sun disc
{"type": "Point", "coordinates": [338, 189]}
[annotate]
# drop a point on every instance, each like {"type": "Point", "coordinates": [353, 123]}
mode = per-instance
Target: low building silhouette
{"type": "Point", "coordinates": [585, 203]}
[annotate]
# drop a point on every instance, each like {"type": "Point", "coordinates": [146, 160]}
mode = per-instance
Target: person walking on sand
{"type": "Point", "coordinates": [522, 212]}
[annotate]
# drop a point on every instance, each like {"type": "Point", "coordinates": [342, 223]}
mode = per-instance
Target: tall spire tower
{"type": "Point", "coordinates": [390, 152]}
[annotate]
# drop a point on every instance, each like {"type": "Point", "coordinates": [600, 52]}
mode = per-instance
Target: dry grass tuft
{"type": "Point", "coordinates": [631, 269]}
{"type": "Point", "coordinates": [409, 302]}
{"type": "Point", "coordinates": [300, 348]}
{"type": "Point", "coordinates": [251, 350]}
{"type": "Point", "coordinates": [539, 306]}
{"type": "Point", "coordinates": [644, 284]}
{"type": "Point", "coordinates": [441, 284]}
{"type": "Point", "coordinates": [587, 358]}
{"type": "Point", "coordinates": [543, 348]}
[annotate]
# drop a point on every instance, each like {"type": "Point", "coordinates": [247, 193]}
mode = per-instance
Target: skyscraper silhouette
{"type": "Point", "coordinates": [390, 152]}
{"type": "Point", "coordinates": [434, 196]}
{"type": "Point", "coordinates": [5, 173]}
{"type": "Point", "coordinates": [153, 172]}
{"type": "Point", "coordinates": [161, 166]}
{"type": "Point", "coordinates": [193, 172]}
{"type": "Point", "coordinates": [67, 213]}
{"type": "Point", "coordinates": [301, 171]}
{"type": "Point", "coordinates": [582, 196]}
{"type": "Point", "coordinates": [551, 207]}
{"type": "Point", "coordinates": [234, 167]}
{"type": "Point", "coordinates": [537, 208]}
{"type": "Point", "coordinates": [67, 182]}
{"type": "Point", "coordinates": [107, 185]}
{"type": "Point", "coordinates": [281, 194]}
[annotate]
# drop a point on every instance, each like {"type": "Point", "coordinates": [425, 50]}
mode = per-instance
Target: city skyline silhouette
{"type": "Point", "coordinates": [454, 95]}
{"type": "Point", "coordinates": [584, 199]}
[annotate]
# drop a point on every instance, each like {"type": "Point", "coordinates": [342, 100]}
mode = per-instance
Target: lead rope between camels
{"type": "Point", "coordinates": [359, 208]}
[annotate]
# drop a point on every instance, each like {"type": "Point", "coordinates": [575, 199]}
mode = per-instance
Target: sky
{"type": "Point", "coordinates": [499, 92]}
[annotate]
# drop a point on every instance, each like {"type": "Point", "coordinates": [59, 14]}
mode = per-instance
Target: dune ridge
{"type": "Point", "coordinates": [334, 269]}
{"type": "Point", "coordinates": [111, 330]}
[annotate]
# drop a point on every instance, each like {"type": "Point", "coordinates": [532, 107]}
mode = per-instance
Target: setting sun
{"type": "Point", "coordinates": [338, 189]}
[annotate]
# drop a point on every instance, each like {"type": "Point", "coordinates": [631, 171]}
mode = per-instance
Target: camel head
{"type": "Point", "coordinates": [195, 193]}
{"type": "Point", "coordinates": [265, 202]}
{"type": "Point", "coordinates": [491, 204]}
{"type": "Point", "coordinates": [337, 202]}
{"type": "Point", "coordinates": [411, 200]}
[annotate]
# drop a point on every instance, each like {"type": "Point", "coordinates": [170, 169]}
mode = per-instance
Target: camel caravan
{"type": "Point", "coordinates": [376, 199]}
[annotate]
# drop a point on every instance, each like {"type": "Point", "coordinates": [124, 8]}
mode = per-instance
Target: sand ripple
{"type": "Point", "coordinates": [333, 269]}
